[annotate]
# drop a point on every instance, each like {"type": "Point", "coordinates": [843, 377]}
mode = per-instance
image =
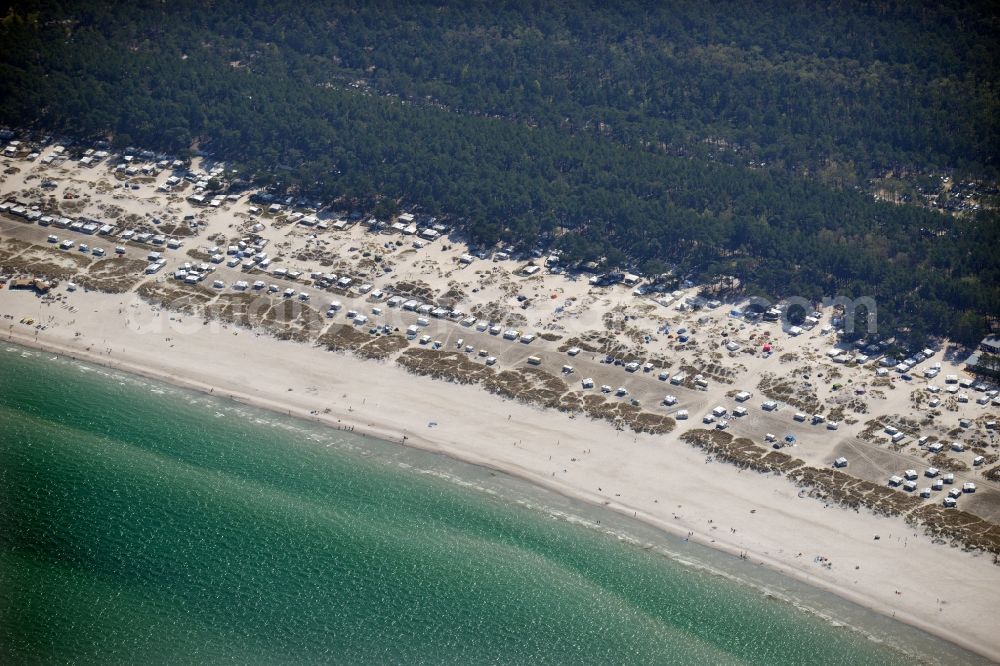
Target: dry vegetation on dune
{"type": "Point", "coordinates": [284, 319]}
{"type": "Point", "coordinates": [345, 337]}
{"type": "Point", "coordinates": [960, 527]}
{"type": "Point", "coordinates": [741, 451]}
{"type": "Point", "coordinates": [11, 246]}
{"type": "Point", "coordinates": [240, 309]}
{"type": "Point", "coordinates": [40, 260]}
{"type": "Point", "coordinates": [416, 289]}
{"type": "Point", "coordinates": [112, 276]}
{"type": "Point", "coordinates": [626, 415]}
{"type": "Point", "coordinates": [186, 299]}
{"type": "Point", "coordinates": [790, 392]}
{"type": "Point", "coordinates": [852, 492]}
{"type": "Point", "coordinates": [199, 254]}
{"type": "Point", "coordinates": [447, 365]}
{"type": "Point", "coordinates": [533, 386]}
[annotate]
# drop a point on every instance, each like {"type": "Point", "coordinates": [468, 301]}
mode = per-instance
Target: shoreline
{"type": "Point", "coordinates": [337, 417]}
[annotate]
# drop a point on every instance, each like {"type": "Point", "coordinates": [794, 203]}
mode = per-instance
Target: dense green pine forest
{"type": "Point", "coordinates": [720, 139]}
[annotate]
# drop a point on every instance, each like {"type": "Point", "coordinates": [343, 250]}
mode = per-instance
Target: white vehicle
{"type": "Point", "coordinates": [572, 351]}
{"type": "Point", "coordinates": [84, 247]}
{"type": "Point", "coordinates": [53, 239]}
{"type": "Point", "coordinates": [97, 252]}
{"type": "Point", "coordinates": [670, 400]}
{"type": "Point", "coordinates": [288, 293]}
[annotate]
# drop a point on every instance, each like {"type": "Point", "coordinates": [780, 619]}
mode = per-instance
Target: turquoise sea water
{"type": "Point", "coordinates": [141, 523]}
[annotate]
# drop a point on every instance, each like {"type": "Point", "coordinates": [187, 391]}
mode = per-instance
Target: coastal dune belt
{"type": "Point", "coordinates": [663, 402]}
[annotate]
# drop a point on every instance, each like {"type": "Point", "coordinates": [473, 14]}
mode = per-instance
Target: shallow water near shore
{"type": "Point", "coordinates": [145, 523]}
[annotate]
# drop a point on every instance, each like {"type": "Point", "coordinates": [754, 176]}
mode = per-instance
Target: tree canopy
{"type": "Point", "coordinates": [720, 138]}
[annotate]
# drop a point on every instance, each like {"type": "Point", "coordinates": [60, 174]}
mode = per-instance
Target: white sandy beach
{"type": "Point", "coordinates": [657, 479]}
